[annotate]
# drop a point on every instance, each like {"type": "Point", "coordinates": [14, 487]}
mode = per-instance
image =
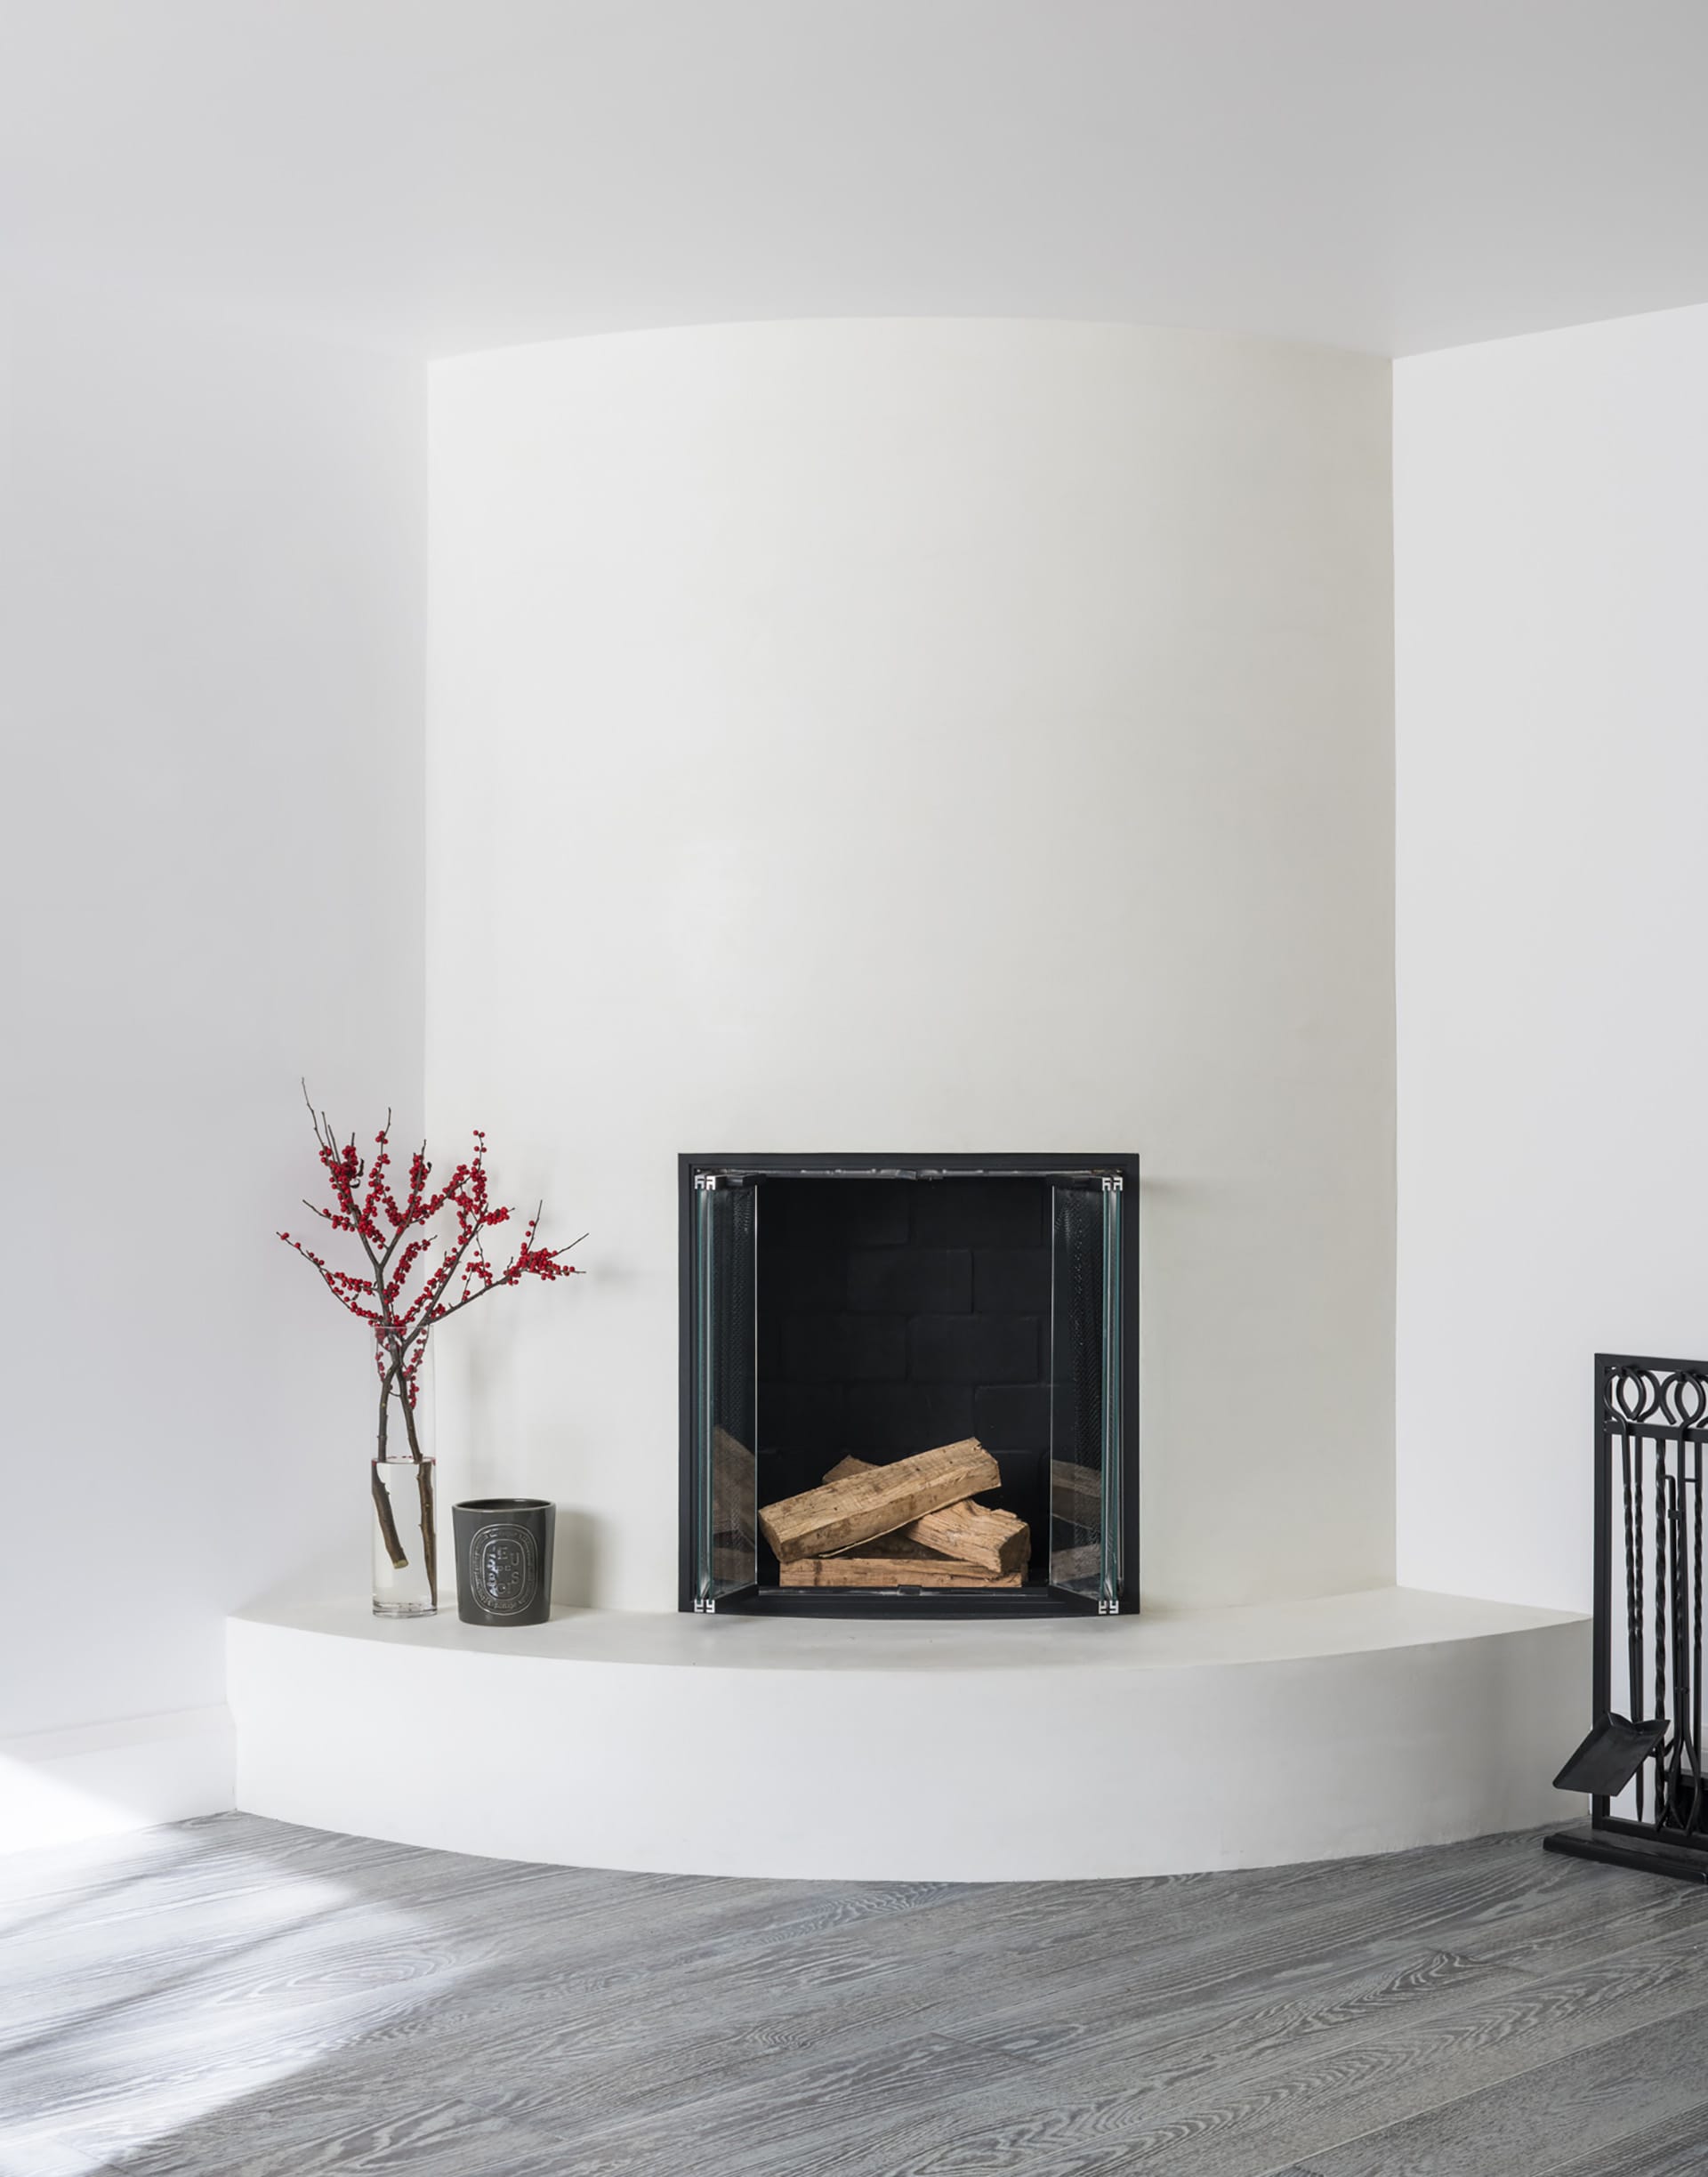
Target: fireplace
{"type": "Point", "coordinates": [842, 1316]}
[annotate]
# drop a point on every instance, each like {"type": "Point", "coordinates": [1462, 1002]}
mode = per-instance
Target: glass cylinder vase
{"type": "Point", "coordinates": [406, 1538]}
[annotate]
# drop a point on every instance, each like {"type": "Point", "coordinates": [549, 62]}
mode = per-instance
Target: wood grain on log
{"type": "Point", "coordinates": [895, 1562]}
{"type": "Point", "coordinates": [734, 1487]}
{"type": "Point", "coordinates": [1082, 1560]}
{"type": "Point", "coordinates": [732, 1560]}
{"type": "Point", "coordinates": [857, 1508]}
{"type": "Point", "coordinates": [734, 1468]}
{"type": "Point", "coordinates": [977, 1534]}
{"type": "Point", "coordinates": [1076, 1494]}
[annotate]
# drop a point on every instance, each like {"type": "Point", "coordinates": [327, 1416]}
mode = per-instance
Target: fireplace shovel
{"type": "Point", "coordinates": [1611, 1756]}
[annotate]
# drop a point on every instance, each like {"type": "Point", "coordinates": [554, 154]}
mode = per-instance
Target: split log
{"type": "Point", "coordinates": [839, 1515]}
{"type": "Point", "coordinates": [1076, 1494]}
{"type": "Point", "coordinates": [733, 1487]}
{"type": "Point", "coordinates": [979, 1534]}
{"type": "Point", "coordinates": [895, 1562]}
{"type": "Point", "coordinates": [732, 1560]}
{"type": "Point", "coordinates": [734, 1468]}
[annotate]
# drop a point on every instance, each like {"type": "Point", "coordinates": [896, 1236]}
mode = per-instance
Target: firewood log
{"type": "Point", "coordinates": [980, 1534]}
{"type": "Point", "coordinates": [857, 1508]}
{"type": "Point", "coordinates": [895, 1562]}
{"type": "Point", "coordinates": [1076, 1494]}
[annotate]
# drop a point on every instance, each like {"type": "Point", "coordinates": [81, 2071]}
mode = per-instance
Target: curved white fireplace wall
{"type": "Point", "coordinates": [923, 736]}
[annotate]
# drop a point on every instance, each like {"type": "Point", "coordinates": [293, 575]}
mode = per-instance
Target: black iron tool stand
{"type": "Point", "coordinates": [1648, 1808]}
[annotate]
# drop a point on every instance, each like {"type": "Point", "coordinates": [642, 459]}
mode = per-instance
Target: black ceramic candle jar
{"type": "Point", "coordinates": [503, 1559]}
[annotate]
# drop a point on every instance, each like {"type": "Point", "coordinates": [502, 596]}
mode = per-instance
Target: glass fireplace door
{"type": "Point", "coordinates": [724, 1361]}
{"type": "Point", "coordinates": [1085, 1390]}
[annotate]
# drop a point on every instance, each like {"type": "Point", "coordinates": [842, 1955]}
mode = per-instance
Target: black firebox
{"type": "Point", "coordinates": [863, 1307]}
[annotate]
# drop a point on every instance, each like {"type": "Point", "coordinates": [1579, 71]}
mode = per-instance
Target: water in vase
{"type": "Point", "coordinates": [405, 1532]}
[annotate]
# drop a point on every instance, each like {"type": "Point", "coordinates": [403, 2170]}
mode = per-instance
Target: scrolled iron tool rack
{"type": "Point", "coordinates": [1651, 1425]}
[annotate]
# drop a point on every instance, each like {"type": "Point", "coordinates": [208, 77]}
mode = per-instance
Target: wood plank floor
{"type": "Point", "coordinates": [243, 1999]}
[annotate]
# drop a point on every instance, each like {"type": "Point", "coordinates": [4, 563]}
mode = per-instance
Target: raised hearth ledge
{"type": "Point", "coordinates": [1161, 1744]}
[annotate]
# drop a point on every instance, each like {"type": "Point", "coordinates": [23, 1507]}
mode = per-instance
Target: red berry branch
{"type": "Point", "coordinates": [427, 1260]}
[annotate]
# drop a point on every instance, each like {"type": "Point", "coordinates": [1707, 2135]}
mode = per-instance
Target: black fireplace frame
{"type": "Point", "coordinates": [1025, 1603]}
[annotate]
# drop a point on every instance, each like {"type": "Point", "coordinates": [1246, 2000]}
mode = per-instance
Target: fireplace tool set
{"type": "Point", "coordinates": [1644, 1772]}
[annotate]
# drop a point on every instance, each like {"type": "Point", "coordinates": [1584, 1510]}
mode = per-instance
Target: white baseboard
{"type": "Point", "coordinates": [57, 1788]}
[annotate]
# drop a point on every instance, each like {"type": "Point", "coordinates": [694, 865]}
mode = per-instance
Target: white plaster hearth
{"type": "Point", "coordinates": [1154, 1744]}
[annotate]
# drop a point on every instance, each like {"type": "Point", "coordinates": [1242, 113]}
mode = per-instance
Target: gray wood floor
{"type": "Point", "coordinates": [234, 1997]}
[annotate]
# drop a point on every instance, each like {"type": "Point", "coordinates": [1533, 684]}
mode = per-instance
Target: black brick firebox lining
{"type": "Point", "coordinates": [897, 1314]}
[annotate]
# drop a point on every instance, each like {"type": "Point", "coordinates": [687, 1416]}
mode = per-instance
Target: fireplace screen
{"type": "Point", "coordinates": [907, 1387]}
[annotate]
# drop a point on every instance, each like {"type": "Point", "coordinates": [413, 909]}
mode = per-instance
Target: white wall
{"type": "Point", "coordinates": [926, 736]}
{"type": "Point", "coordinates": [1551, 519]}
{"type": "Point", "coordinates": [212, 876]}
